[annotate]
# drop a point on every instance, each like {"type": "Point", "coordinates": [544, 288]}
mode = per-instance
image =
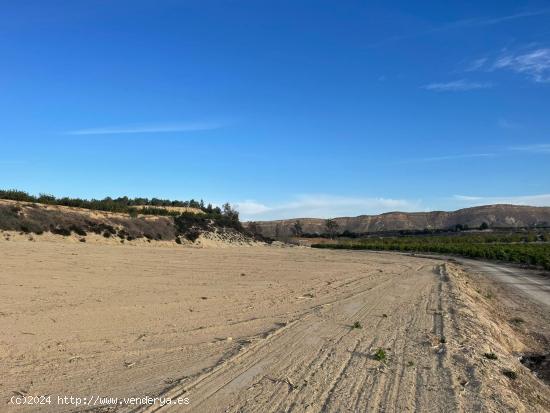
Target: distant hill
{"type": "Point", "coordinates": [501, 216]}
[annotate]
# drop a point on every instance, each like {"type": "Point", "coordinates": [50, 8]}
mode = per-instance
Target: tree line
{"type": "Point", "coordinates": [535, 253]}
{"type": "Point", "coordinates": [188, 224]}
{"type": "Point", "coordinates": [123, 204]}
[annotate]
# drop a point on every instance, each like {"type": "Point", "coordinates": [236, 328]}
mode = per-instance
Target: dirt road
{"type": "Point", "coordinates": [246, 330]}
{"type": "Point", "coordinates": [319, 362]}
{"type": "Point", "coordinates": [533, 283]}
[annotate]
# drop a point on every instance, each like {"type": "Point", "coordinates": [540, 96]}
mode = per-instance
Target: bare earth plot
{"type": "Point", "coordinates": [254, 329]}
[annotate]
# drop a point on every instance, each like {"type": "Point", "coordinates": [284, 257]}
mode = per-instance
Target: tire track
{"type": "Point", "coordinates": [318, 363]}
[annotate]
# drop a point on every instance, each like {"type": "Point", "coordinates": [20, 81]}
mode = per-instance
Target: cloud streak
{"type": "Point", "coordinates": [149, 128]}
{"type": "Point", "coordinates": [533, 64]}
{"type": "Point", "coordinates": [323, 206]}
{"type": "Point", "coordinates": [328, 206]}
{"type": "Point", "coordinates": [540, 148]}
{"type": "Point", "coordinates": [532, 200]}
{"type": "Point", "coordinates": [465, 23]}
{"type": "Point", "coordinates": [536, 148]}
{"type": "Point", "coordinates": [461, 85]}
{"type": "Point", "coordinates": [492, 21]}
{"type": "Point", "coordinates": [449, 157]}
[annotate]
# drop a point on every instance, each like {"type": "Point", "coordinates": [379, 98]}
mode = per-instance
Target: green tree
{"type": "Point", "coordinates": [332, 227]}
{"type": "Point", "coordinates": [297, 229]}
{"type": "Point", "coordinates": [230, 213]}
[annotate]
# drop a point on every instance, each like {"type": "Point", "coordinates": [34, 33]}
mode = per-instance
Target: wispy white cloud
{"type": "Point", "coordinates": [251, 208]}
{"type": "Point", "coordinates": [323, 206]}
{"type": "Point", "coordinates": [147, 128]}
{"type": "Point", "coordinates": [477, 64]}
{"type": "Point", "coordinates": [461, 85]}
{"type": "Point", "coordinates": [464, 23]}
{"type": "Point", "coordinates": [534, 64]}
{"type": "Point", "coordinates": [328, 206]}
{"type": "Point", "coordinates": [536, 148]}
{"type": "Point", "coordinates": [493, 20]}
{"type": "Point", "coordinates": [449, 157]}
{"type": "Point", "coordinates": [541, 148]}
{"type": "Point", "coordinates": [533, 200]}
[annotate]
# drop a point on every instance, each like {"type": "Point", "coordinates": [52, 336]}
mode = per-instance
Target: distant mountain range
{"type": "Point", "coordinates": [496, 216]}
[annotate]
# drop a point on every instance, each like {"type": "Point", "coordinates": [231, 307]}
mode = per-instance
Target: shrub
{"type": "Point", "coordinates": [78, 230]}
{"type": "Point", "coordinates": [380, 355]}
{"type": "Point", "coordinates": [512, 375]}
{"type": "Point", "coordinates": [60, 230]}
{"type": "Point", "coordinates": [192, 235]}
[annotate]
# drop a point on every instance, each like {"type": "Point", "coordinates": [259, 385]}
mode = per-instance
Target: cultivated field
{"type": "Point", "coordinates": [255, 329]}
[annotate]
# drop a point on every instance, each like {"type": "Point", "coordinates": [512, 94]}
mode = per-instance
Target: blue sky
{"type": "Point", "coordinates": [285, 108]}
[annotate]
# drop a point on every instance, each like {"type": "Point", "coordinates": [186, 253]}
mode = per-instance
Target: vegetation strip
{"type": "Point", "coordinates": [535, 253]}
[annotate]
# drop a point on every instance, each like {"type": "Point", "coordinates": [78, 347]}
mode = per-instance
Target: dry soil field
{"type": "Point", "coordinates": [252, 329]}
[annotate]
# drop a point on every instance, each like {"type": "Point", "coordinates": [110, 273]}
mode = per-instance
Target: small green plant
{"type": "Point", "coordinates": [442, 340]}
{"type": "Point", "coordinates": [410, 363]}
{"type": "Point", "coordinates": [380, 355]}
{"type": "Point", "coordinates": [512, 375]}
{"type": "Point", "coordinates": [357, 324]}
{"type": "Point", "coordinates": [491, 356]}
{"type": "Point", "coordinates": [517, 320]}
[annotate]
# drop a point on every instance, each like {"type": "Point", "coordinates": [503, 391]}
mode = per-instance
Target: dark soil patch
{"type": "Point", "coordinates": [538, 364]}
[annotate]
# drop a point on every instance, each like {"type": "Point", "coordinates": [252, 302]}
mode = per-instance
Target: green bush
{"type": "Point", "coordinates": [60, 231]}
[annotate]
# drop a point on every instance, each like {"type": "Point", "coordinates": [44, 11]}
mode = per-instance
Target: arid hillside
{"type": "Point", "coordinates": [501, 216]}
{"type": "Point", "coordinates": [84, 225]}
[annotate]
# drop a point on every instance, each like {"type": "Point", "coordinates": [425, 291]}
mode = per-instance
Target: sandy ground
{"type": "Point", "coordinates": [252, 329]}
